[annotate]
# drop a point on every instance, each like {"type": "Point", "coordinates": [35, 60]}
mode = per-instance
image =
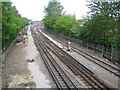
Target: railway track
{"type": "Point", "coordinates": [109, 66]}
{"type": "Point", "coordinates": [58, 75]}
{"type": "Point", "coordinates": [75, 66]}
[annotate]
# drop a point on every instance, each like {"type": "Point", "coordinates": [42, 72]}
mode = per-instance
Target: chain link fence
{"type": "Point", "coordinates": [111, 53]}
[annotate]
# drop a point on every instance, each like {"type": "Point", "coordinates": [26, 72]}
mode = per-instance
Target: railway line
{"type": "Point", "coordinates": [58, 75]}
{"type": "Point", "coordinates": [107, 65]}
{"type": "Point", "coordinates": [74, 65]}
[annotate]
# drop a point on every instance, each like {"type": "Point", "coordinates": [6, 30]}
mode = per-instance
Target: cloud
{"type": "Point", "coordinates": [34, 9]}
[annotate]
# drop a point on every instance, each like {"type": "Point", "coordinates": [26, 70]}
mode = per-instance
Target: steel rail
{"type": "Point", "coordinates": [64, 77]}
{"type": "Point", "coordinates": [117, 73]}
{"type": "Point", "coordinates": [57, 67]}
{"type": "Point", "coordinates": [47, 65]}
{"type": "Point", "coordinates": [90, 77]}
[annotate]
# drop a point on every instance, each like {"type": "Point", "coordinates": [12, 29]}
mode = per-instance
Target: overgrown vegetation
{"type": "Point", "coordinates": [67, 25]}
{"type": "Point", "coordinates": [102, 26]}
{"type": "Point", "coordinates": [12, 23]}
{"type": "Point", "coordinates": [0, 15]}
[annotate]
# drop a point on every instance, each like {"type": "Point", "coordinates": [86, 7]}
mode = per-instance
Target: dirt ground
{"type": "Point", "coordinates": [18, 72]}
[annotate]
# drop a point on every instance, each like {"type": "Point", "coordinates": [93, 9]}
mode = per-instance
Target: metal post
{"type": "Point", "coordinates": [87, 45]}
{"type": "Point", "coordinates": [112, 53]}
{"type": "Point", "coordinates": [102, 50]}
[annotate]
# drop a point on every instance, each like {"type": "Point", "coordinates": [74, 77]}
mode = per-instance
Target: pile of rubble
{"type": "Point", "coordinates": [20, 81]}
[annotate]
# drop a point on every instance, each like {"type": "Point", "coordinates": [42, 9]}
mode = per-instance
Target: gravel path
{"type": "Point", "coordinates": [18, 72]}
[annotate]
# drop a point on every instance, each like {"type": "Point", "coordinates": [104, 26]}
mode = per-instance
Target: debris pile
{"type": "Point", "coordinates": [21, 81]}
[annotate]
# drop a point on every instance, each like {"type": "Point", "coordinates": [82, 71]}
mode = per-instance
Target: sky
{"type": "Point", "coordinates": [34, 9]}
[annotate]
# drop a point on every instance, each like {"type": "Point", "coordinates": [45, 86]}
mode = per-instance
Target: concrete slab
{"type": "Point", "coordinates": [31, 53]}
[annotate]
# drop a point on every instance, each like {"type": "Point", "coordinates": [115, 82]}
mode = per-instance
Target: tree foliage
{"type": "Point", "coordinates": [56, 20]}
{"type": "Point", "coordinates": [53, 7]}
{"type": "Point", "coordinates": [67, 24]}
{"type": "Point", "coordinates": [53, 11]}
{"type": "Point", "coordinates": [0, 26]}
{"type": "Point", "coordinates": [103, 24]}
{"type": "Point", "coordinates": [12, 23]}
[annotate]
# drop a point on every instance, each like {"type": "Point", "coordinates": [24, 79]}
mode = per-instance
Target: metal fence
{"type": "Point", "coordinates": [112, 53]}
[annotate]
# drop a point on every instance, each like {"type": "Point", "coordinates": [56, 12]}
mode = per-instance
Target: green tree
{"type": "Point", "coordinates": [12, 23]}
{"type": "Point", "coordinates": [53, 12]}
{"type": "Point", "coordinates": [53, 7]}
{"type": "Point", "coordinates": [0, 27]}
{"type": "Point", "coordinates": [67, 25]}
{"type": "Point", "coordinates": [102, 25]}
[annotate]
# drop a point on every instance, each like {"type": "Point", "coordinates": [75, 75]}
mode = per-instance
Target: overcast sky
{"type": "Point", "coordinates": [34, 9]}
